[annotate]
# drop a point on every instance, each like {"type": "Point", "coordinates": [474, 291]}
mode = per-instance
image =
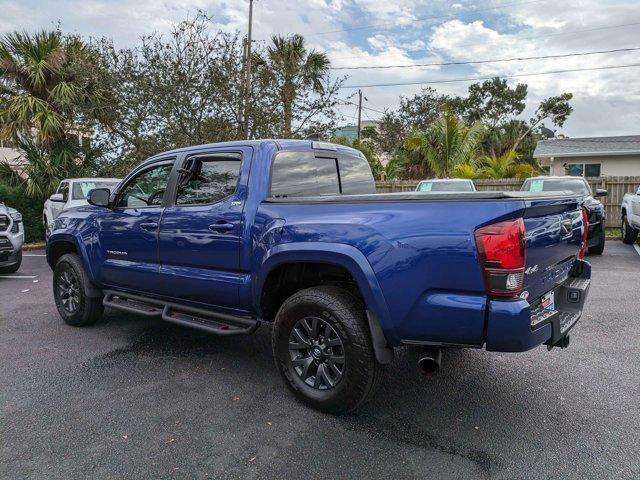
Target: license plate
{"type": "Point", "coordinates": [548, 301]}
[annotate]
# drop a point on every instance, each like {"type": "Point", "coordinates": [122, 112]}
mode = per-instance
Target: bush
{"type": "Point", "coordinates": [29, 207]}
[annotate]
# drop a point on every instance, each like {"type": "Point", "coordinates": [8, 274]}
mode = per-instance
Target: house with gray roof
{"type": "Point", "coordinates": [591, 156]}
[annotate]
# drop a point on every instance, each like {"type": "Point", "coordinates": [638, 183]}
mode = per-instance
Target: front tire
{"type": "Point", "coordinates": [322, 347]}
{"type": "Point", "coordinates": [629, 234]}
{"type": "Point", "coordinates": [13, 268]}
{"type": "Point", "coordinates": [598, 248]}
{"type": "Point", "coordinates": [70, 286]}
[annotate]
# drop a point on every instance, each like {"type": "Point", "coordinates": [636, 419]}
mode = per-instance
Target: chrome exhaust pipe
{"type": "Point", "coordinates": [429, 360]}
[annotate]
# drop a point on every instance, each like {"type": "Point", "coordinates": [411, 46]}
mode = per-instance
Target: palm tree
{"type": "Point", "coordinates": [46, 92]}
{"type": "Point", "coordinates": [447, 143]}
{"type": "Point", "coordinates": [504, 166]}
{"type": "Point", "coordinates": [293, 68]}
{"type": "Point", "coordinates": [42, 88]}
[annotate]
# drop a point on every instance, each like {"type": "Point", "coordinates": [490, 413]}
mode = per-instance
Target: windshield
{"type": "Point", "coordinates": [445, 187]}
{"type": "Point", "coordinates": [574, 185]}
{"type": "Point", "coordinates": [82, 189]}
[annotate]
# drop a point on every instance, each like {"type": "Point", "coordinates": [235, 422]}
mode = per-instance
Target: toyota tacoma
{"type": "Point", "coordinates": [224, 237]}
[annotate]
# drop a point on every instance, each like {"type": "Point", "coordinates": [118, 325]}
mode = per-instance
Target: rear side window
{"type": "Point", "coordinates": [211, 181]}
{"type": "Point", "coordinates": [301, 174]}
{"type": "Point", "coordinates": [355, 175]}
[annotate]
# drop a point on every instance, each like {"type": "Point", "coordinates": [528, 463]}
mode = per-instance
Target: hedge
{"type": "Point", "coordinates": [29, 207]}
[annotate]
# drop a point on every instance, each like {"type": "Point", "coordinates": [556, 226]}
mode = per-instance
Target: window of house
{"type": "Point", "coordinates": [583, 169]}
{"type": "Point", "coordinates": [212, 180]}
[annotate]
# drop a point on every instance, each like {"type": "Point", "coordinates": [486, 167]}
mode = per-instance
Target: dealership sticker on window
{"type": "Point", "coordinates": [536, 185]}
{"type": "Point", "coordinates": [86, 187]}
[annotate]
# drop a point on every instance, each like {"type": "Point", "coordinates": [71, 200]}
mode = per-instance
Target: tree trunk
{"type": "Point", "coordinates": [288, 95]}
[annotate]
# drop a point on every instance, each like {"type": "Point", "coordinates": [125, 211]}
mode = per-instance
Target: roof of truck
{"type": "Point", "coordinates": [281, 144]}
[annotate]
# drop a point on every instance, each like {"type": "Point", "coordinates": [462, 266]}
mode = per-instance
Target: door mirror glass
{"type": "Point", "coordinates": [57, 197]}
{"type": "Point", "coordinates": [600, 192]}
{"type": "Point", "coordinates": [99, 197]}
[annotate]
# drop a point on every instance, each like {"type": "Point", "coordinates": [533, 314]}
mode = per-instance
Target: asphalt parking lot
{"type": "Point", "coordinates": [137, 398]}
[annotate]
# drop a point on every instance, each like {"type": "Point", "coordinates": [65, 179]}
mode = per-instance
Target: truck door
{"type": "Point", "coordinates": [202, 229]}
{"type": "Point", "coordinates": [128, 235]}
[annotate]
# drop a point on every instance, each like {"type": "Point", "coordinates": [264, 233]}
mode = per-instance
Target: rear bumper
{"type": "Point", "coordinates": [516, 326]}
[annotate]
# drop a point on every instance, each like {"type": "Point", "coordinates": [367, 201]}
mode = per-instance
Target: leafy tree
{"type": "Point", "coordinates": [391, 132]}
{"type": "Point", "coordinates": [491, 102]}
{"type": "Point", "coordinates": [172, 90]}
{"type": "Point", "coordinates": [447, 143]}
{"type": "Point", "coordinates": [556, 109]}
{"type": "Point", "coordinates": [300, 79]}
{"type": "Point", "coordinates": [422, 110]}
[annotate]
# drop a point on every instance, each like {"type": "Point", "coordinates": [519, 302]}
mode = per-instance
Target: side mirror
{"type": "Point", "coordinates": [99, 197]}
{"type": "Point", "coordinates": [57, 197]}
{"type": "Point", "coordinates": [600, 192]}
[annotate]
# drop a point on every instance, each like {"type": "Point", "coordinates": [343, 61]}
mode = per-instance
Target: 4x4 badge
{"type": "Point", "coordinates": [531, 270]}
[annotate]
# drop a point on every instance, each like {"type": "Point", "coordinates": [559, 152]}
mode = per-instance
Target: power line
{"type": "Point", "coordinates": [364, 107]}
{"type": "Point", "coordinates": [432, 82]}
{"type": "Point", "coordinates": [423, 19]}
{"type": "Point", "coordinates": [475, 62]}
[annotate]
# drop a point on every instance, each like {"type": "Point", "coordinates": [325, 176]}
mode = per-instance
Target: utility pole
{"type": "Point", "coordinates": [247, 82]}
{"type": "Point", "coordinates": [359, 112]}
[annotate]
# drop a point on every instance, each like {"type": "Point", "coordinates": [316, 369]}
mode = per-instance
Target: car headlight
{"type": "Point", "coordinates": [17, 216]}
{"type": "Point", "coordinates": [60, 223]}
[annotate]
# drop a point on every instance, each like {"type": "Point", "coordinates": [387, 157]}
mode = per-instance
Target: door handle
{"type": "Point", "coordinates": [221, 227]}
{"type": "Point", "coordinates": [149, 226]}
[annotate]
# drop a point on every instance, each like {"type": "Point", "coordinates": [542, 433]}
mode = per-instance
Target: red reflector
{"type": "Point", "coordinates": [502, 252]}
{"type": "Point", "coordinates": [585, 234]}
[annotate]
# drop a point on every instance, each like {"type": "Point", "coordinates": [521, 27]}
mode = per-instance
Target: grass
{"type": "Point", "coordinates": [34, 246]}
{"type": "Point", "coordinates": [613, 232]}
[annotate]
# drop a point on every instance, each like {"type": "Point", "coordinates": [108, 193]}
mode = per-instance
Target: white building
{"type": "Point", "coordinates": [590, 157]}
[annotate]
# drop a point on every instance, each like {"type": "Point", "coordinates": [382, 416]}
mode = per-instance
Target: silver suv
{"type": "Point", "coordinates": [11, 239]}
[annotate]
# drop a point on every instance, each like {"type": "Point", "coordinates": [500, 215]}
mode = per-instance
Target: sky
{"type": "Point", "coordinates": [365, 33]}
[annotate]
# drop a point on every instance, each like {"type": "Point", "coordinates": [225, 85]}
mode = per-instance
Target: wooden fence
{"type": "Point", "coordinates": [615, 186]}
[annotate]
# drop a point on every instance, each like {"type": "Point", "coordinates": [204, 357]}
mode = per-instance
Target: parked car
{"type": "Point", "coordinates": [446, 185]}
{"type": "Point", "coordinates": [72, 192]}
{"type": "Point", "coordinates": [11, 239]}
{"type": "Point", "coordinates": [631, 217]}
{"type": "Point", "coordinates": [222, 237]}
{"type": "Point", "coordinates": [579, 186]}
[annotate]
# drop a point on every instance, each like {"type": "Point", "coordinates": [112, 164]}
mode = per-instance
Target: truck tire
{"type": "Point", "coordinates": [70, 286]}
{"type": "Point", "coordinates": [629, 234]}
{"type": "Point", "coordinates": [13, 268]}
{"type": "Point", "coordinates": [598, 248]}
{"type": "Point", "coordinates": [322, 347]}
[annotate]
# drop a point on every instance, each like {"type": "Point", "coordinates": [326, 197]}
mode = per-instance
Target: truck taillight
{"type": "Point", "coordinates": [585, 233]}
{"type": "Point", "coordinates": [503, 253]}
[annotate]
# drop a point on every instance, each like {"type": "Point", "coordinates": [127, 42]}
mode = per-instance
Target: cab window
{"type": "Point", "coordinates": [207, 180]}
{"type": "Point", "coordinates": [145, 189]}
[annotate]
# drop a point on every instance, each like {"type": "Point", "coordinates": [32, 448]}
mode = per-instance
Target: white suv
{"type": "Point", "coordinates": [11, 239]}
{"type": "Point", "coordinates": [631, 217]}
{"type": "Point", "coordinates": [72, 193]}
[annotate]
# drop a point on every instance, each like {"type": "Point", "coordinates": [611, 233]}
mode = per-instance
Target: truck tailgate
{"type": "Point", "coordinates": [554, 235]}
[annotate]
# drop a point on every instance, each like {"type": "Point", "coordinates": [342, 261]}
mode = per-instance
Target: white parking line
{"type": "Point", "coordinates": [33, 255]}
{"type": "Point", "coordinates": [19, 276]}
{"type": "Point", "coordinates": [635, 245]}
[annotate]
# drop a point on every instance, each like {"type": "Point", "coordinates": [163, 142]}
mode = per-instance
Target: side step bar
{"type": "Point", "coordinates": [198, 318]}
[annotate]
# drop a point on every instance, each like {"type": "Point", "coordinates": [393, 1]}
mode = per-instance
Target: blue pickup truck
{"type": "Point", "coordinates": [223, 237]}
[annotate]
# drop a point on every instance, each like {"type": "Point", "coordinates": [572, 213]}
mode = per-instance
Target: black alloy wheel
{"type": "Point", "coordinates": [317, 353]}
